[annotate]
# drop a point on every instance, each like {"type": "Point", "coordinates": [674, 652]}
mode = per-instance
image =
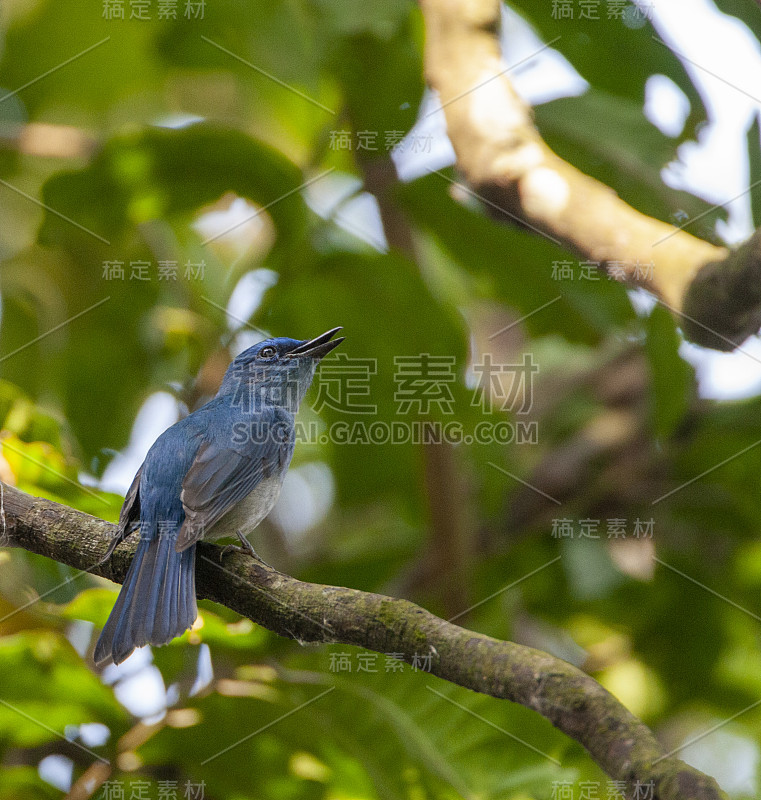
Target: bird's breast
{"type": "Point", "coordinates": [250, 511]}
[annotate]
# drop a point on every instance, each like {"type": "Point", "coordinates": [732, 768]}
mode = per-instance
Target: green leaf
{"type": "Point", "coordinates": [98, 63]}
{"type": "Point", "coordinates": [749, 13]}
{"type": "Point", "coordinates": [52, 688]}
{"type": "Point", "coordinates": [516, 267]}
{"type": "Point", "coordinates": [382, 80]}
{"type": "Point", "coordinates": [24, 783]}
{"type": "Point", "coordinates": [608, 137]}
{"type": "Point", "coordinates": [672, 378]}
{"type": "Point", "coordinates": [379, 18]}
{"type": "Point", "coordinates": [630, 41]}
{"type": "Point", "coordinates": [163, 173]}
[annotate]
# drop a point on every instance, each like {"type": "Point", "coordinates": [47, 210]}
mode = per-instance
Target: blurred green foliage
{"type": "Point", "coordinates": [166, 123]}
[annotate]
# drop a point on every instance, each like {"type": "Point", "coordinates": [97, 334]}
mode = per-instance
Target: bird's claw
{"type": "Point", "coordinates": [229, 548]}
{"type": "Point", "coordinates": [244, 547]}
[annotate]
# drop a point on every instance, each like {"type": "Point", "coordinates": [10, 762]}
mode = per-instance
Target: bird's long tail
{"type": "Point", "coordinates": [157, 601]}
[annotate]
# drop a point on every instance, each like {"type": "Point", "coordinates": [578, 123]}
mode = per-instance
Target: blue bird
{"type": "Point", "coordinates": [213, 474]}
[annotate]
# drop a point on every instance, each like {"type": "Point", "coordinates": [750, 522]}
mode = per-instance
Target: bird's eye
{"type": "Point", "coordinates": [267, 352]}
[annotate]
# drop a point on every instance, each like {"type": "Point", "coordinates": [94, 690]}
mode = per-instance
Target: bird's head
{"type": "Point", "coordinates": [276, 371]}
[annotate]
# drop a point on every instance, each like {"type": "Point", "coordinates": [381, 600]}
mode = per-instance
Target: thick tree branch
{"type": "Point", "coordinates": [502, 156]}
{"type": "Point", "coordinates": [721, 305]}
{"type": "Point", "coordinates": [567, 697]}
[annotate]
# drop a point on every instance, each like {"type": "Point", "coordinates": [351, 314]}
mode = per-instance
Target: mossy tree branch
{"type": "Point", "coordinates": [570, 699]}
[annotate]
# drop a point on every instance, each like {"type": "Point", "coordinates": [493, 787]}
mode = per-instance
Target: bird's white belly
{"type": "Point", "coordinates": [250, 511]}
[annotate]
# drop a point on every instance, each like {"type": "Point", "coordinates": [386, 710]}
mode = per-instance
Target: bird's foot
{"type": "Point", "coordinates": [229, 548]}
{"type": "Point", "coordinates": [244, 547]}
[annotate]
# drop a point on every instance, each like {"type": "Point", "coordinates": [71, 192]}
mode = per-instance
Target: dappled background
{"type": "Point", "coordinates": [179, 180]}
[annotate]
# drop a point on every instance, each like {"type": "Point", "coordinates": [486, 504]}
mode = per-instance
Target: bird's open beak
{"type": "Point", "coordinates": [318, 347]}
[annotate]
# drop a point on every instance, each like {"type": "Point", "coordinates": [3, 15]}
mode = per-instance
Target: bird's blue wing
{"type": "Point", "coordinates": [221, 475]}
